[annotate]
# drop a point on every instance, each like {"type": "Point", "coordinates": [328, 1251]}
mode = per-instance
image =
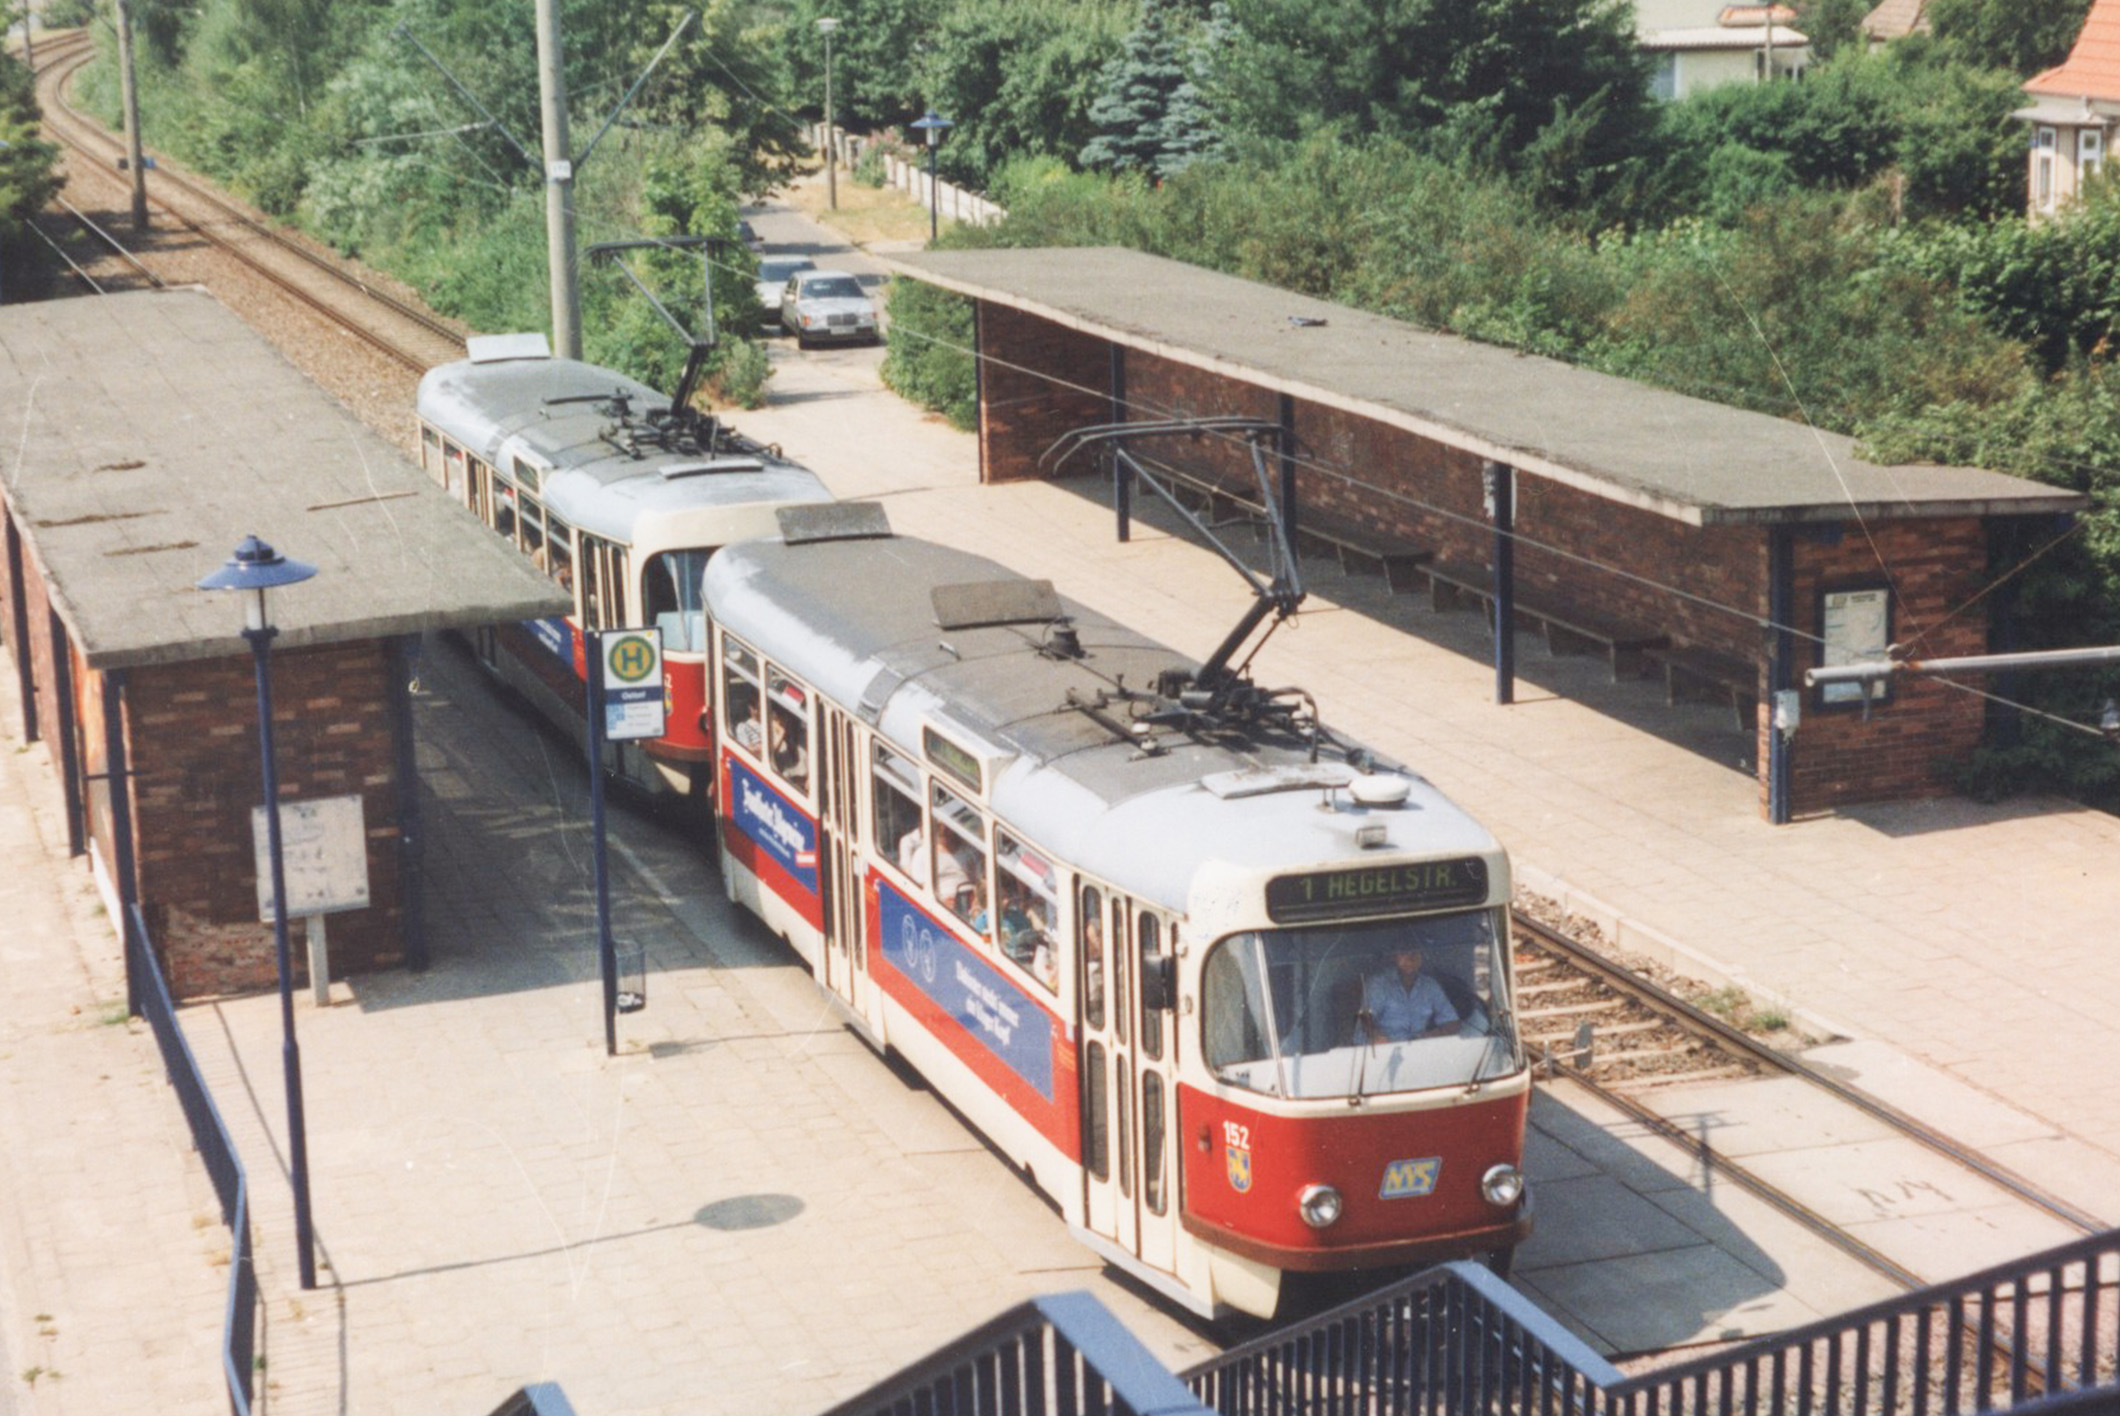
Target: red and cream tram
{"type": "Point", "coordinates": [1149, 947]}
{"type": "Point", "coordinates": [617, 497]}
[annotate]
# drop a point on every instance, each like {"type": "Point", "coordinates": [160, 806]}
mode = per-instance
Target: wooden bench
{"type": "Point", "coordinates": [1577, 630]}
{"type": "Point", "coordinates": [1695, 674]}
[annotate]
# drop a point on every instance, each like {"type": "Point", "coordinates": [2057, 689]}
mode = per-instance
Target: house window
{"type": "Point", "coordinates": [1663, 78]}
{"type": "Point", "coordinates": [2043, 170]}
{"type": "Point", "coordinates": [2090, 154]}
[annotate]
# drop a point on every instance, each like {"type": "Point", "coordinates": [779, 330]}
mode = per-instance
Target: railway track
{"type": "Point", "coordinates": [415, 339]}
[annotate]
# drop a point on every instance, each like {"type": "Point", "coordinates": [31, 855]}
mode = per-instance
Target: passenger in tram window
{"type": "Point", "coordinates": [791, 751]}
{"type": "Point", "coordinates": [1401, 1003]}
{"type": "Point", "coordinates": [912, 850]}
{"type": "Point", "coordinates": [744, 708]}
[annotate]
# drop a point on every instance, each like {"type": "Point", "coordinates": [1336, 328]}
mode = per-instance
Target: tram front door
{"type": "Point", "coordinates": [843, 967]}
{"type": "Point", "coordinates": [1124, 1066]}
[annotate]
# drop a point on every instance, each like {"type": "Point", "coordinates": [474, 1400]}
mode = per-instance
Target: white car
{"type": "Point", "coordinates": [773, 273]}
{"type": "Point", "coordinates": [827, 305]}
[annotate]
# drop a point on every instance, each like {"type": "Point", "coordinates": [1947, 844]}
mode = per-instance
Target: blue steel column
{"type": "Point", "coordinates": [1781, 668]}
{"type": "Point", "coordinates": [17, 588]}
{"type": "Point", "coordinates": [117, 779]}
{"type": "Point", "coordinates": [606, 951]}
{"type": "Point", "coordinates": [290, 1051]}
{"type": "Point", "coordinates": [1122, 478]}
{"type": "Point", "coordinates": [66, 727]}
{"type": "Point", "coordinates": [412, 877]}
{"type": "Point", "coordinates": [1287, 413]}
{"type": "Point", "coordinates": [1501, 508]}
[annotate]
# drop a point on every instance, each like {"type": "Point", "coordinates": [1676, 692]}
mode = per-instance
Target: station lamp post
{"type": "Point", "coordinates": [256, 568]}
{"type": "Point", "coordinates": [825, 25]}
{"type": "Point", "coordinates": [932, 127]}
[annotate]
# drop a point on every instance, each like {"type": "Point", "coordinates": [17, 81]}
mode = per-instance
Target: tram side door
{"type": "Point", "coordinates": [839, 865]}
{"type": "Point", "coordinates": [1125, 1065]}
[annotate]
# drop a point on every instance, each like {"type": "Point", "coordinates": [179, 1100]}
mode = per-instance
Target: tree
{"type": "Point", "coordinates": [1831, 25]}
{"type": "Point", "coordinates": [1017, 77]}
{"type": "Point", "coordinates": [876, 52]}
{"type": "Point", "coordinates": [1473, 78]}
{"type": "Point", "coordinates": [1149, 113]}
{"type": "Point", "coordinates": [2023, 36]}
{"type": "Point", "coordinates": [727, 73]}
{"type": "Point", "coordinates": [28, 175]}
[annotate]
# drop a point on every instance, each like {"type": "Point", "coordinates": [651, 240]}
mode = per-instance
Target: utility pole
{"type": "Point", "coordinates": [134, 165]}
{"type": "Point", "coordinates": [29, 41]}
{"type": "Point", "coordinates": [559, 185]}
{"type": "Point", "coordinates": [825, 26]}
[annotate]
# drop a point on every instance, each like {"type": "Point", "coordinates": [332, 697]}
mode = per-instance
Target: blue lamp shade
{"type": "Point", "coordinates": [932, 126]}
{"type": "Point", "coordinates": [257, 566]}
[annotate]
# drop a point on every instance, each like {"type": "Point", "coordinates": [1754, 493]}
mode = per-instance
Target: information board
{"type": "Point", "coordinates": [324, 852]}
{"type": "Point", "coordinates": [1856, 626]}
{"type": "Point", "coordinates": [633, 684]}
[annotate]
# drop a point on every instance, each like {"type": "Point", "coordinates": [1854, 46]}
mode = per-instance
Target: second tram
{"type": "Point", "coordinates": [618, 493]}
{"type": "Point", "coordinates": [1236, 993]}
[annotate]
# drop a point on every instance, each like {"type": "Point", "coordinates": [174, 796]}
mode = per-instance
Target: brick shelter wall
{"type": "Point", "coordinates": [1705, 588]}
{"type": "Point", "coordinates": [193, 730]}
{"type": "Point", "coordinates": [1911, 744]}
{"type": "Point", "coordinates": [1053, 381]}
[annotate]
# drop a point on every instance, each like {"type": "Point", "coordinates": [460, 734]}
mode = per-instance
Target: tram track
{"type": "Point", "coordinates": [207, 211]}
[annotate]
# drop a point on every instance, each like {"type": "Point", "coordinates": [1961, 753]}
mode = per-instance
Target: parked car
{"type": "Point", "coordinates": [773, 273]}
{"type": "Point", "coordinates": [826, 305]}
{"type": "Point", "coordinates": [749, 235]}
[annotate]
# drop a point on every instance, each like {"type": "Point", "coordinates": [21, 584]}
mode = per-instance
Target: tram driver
{"type": "Point", "coordinates": [1401, 1003]}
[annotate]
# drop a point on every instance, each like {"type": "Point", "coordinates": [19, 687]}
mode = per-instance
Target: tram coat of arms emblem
{"type": "Point", "coordinates": [1238, 1158]}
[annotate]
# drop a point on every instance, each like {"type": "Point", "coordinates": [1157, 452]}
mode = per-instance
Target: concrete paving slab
{"type": "Point", "coordinates": [1888, 1074]}
{"type": "Point", "coordinates": [1700, 1291]}
{"type": "Point", "coordinates": [1597, 1217]}
{"type": "Point", "coordinates": [1765, 1116]}
{"type": "Point", "coordinates": [1950, 1244]}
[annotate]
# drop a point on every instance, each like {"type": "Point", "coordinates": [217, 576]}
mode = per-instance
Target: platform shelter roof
{"type": "Point", "coordinates": [146, 434]}
{"type": "Point", "coordinates": [1686, 458]}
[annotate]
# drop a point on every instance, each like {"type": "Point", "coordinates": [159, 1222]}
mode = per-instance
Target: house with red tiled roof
{"type": "Point", "coordinates": [1698, 44]}
{"type": "Point", "coordinates": [2073, 106]}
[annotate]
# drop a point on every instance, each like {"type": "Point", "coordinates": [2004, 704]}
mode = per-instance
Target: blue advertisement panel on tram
{"type": "Point", "coordinates": [973, 993]}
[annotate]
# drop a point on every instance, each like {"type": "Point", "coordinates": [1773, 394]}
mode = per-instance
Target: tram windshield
{"type": "Point", "coordinates": [671, 594]}
{"type": "Point", "coordinates": [1361, 1009]}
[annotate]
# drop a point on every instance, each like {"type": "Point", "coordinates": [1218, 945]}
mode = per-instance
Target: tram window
{"type": "Point", "coordinates": [533, 530]}
{"type": "Point", "coordinates": [742, 697]}
{"type": "Point", "coordinates": [1089, 925]}
{"type": "Point", "coordinates": [897, 800]}
{"type": "Point", "coordinates": [528, 475]}
{"type": "Point", "coordinates": [431, 455]}
{"type": "Point", "coordinates": [960, 857]}
{"type": "Point", "coordinates": [1122, 970]}
{"type": "Point", "coordinates": [1026, 923]}
{"type": "Point", "coordinates": [1361, 1008]}
{"type": "Point", "coordinates": [559, 552]}
{"type": "Point", "coordinates": [671, 598]}
{"type": "Point", "coordinates": [1096, 1114]}
{"type": "Point", "coordinates": [1152, 1142]}
{"type": "Point", "coordinates": [455, 478]}
{"type": "Point", "coordinates": [788, 730]}
{"type": "Point", "coordinates": [598, 584]}
{"type": "Point", "coordinates": [1150, 937]}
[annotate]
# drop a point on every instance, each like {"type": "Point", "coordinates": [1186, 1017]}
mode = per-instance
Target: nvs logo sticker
{"type": "Point", "coordinates": [1410, 1179]}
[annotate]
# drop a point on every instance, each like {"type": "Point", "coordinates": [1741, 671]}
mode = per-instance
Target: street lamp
{"type": "Point", "coordinates": [257, 567]}
{"type": "Point", "coordinates": [932, 126]}
{"type": "Point", "coordinates": [825, 26]}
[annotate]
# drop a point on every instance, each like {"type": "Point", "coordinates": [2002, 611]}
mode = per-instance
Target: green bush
{"type": "Point", "coordinates": [929, 360]}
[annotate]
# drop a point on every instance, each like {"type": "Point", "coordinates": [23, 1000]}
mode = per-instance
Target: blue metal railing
{"type": "Point", "coordinates": [1450, 1339]}
{"type": "Point", "coordinates": [1062, 1355]}
{"type": "Point", "coordinates": [2042, 1333]}
{"type": "Point", "coordinates": [150, 996]}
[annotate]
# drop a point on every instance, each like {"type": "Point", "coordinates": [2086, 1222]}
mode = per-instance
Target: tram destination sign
{"type": "Point", "coordinates": [1376, 889]}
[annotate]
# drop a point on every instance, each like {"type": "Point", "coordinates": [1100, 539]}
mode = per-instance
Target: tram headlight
{"type": "Point", "coordinates": [1503, 1185]}
{"type": "Point", "coordinates": [1319, 1205]}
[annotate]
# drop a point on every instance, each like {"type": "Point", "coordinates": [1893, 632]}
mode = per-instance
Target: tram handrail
{"type": "Point", "coordinates": [150, 998]}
